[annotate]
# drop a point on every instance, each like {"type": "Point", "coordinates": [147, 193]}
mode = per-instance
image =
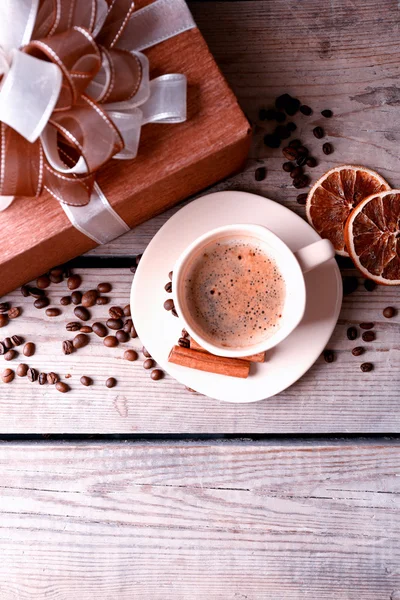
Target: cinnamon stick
{"type": "Point", "coordinates": [204, 361]}
{"type": "Point", "coordinates": [257, 358]}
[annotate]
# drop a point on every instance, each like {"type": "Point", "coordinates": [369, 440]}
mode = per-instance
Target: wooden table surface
{"type": "Point", "coordinates": [295, 506]}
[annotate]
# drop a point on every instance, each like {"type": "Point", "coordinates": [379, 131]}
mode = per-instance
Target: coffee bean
{"type": "Point", "coordinates": [352, 333]}
{"type": "Point", "coordinates": [42, 378]}
{"type": "Point", "coordinates": [111, 382]}
{"type": "Point", "coordinates": [170, 275]}
{"type": "Point", "coordinates": [133, 332]}
{"type": "Point", "coordinates": [368, 336]}
{"type": "Point", "coordinates": [311, 162]}
{"type": "Point", "coordinates": [86, 380]}
{"type": "Point", "coordinates": [52, 378]}
{"type": "Point", "coordinates": [14, 312]}
{"type": "Point", "coordinates": [327, 148]}
{"type": "Point", "coordinates": [291, 126]}
{"type": "Point", "coordinates": [110, 341]}
{"type": "Point", "coordinates": [184, 342]}
{"type": "Point", "coordinates": [138, 258]}
{"type": "Point", "coordinates": [297, 172]}
{"type": "Point", "coordinates": [282, 101]}
{"type": "Point", "coordinates": [66, 271]}
{"type": "Point", "coordinates": [17, 340]}
{"type": "Point", "coordinates": [157, 374]}
{"type": "Point", "coordinates": [114, 324]}
{"type": "Point", "coordinates": [62, 387]}
{"type": "Point", "coordinates": [131, 355]}
{"type": "Point", "coordinates": [116, 312]}
{"type": "Point", "coordinates": [272, 141]}
{"type": "Point", "coordinates": [4, 307]}
{"type": "Point", "coordinates": [53, 312]}
{"type": "Point", "coordinates": [260, 173]}
{"type": "Point", "coordinates": [318, 132]}
{"type": "Point", "coordinates": [295, 144]}
{"type": "Point", "coordinates": [43, 282]}
{"type": "Point", "coordinates": [3, 320]}
{"type": "Point", "coordinates": [366, 325]}
{"type": "Point", "coordinates": [350, 284]}
{"type": "Point", "coordinates": [99, 329]}
{"type": "Point", "coordinates": [280, 117]}
{"type": "Point", "coordinates": [67, 347]}
{"type": "Point", "coordinates": [366, 367]}
{"type": "Point", "coordinates": [301, 182]}
{"type": "Point", "coordinates": [7, 376]}
{"type": "Point", "coordinates": [306, 110]}
{"type": "Point", "coordinates": [74, 282]}
{"type": "Point", "coordinates": [2, 348]}
{"type": "Point", "coordinates": [36, 292]}
{"type": "Point", "coordinates": [169, 304]}
{"type": "Point", "coordinates": [127, 310]}
{"type": "Point", "coordinates": [288, 167]}
{"type": "Point", "coordinates": [148, 363]}
{"type": "Point", "coordinates": [133, 269]}
{"type": "Point", "coordinates": [327, 113]}
{"type": "Point", "coordinates": [29, 349]}
{"type": "Point", "coordinates": [303, 150]}
{"type": "Point", "coordinates": [80, 341]}
{"type": "Point", "coordinates": [292, 106]}
{"type": "Point", "coordinates": [302, 199]}
{"type": "Point", "coordinates": [101, 300]}
{"type": "Point", "coordinates": [128, 326]}
{"type": "Point", "coordinates": [25, 291]}
{"type": "Point", "coordinates": [22, 370]}
{"type": "Point", "coordinates": [329, 356]}
{"type": "Point", "coordinates": [369, 285]}
{"type": "Point", "coordinates": [146, 353]}
{"type": "Point", "coordinates": [389, 312]}
{"type": "Point", "coordinates": [8, 343]}
{"type": "Point", "coordinates": [86, 329]}
{"type": "Point", "coordinates": [174, 313]}
{"type": "Point", "coordinates": [65, 300]}
{"type": "Point", "coordinates": [56, 277]}
{"type": "Point", "coordinates": [358, 351]}
{"type": "Point", "coordinates": [41, 302]}
{"type": "Point", "coordinates": [57, 271]}
{"type": "Point", "coordinates": [290, 153]}
{"type": "Point", "coordinates": [282, 132]}
{"type": "Point", "coordinates": [73, 326]}
{"type": "Point", "coordinates": [32, 375]}
{"type": "Point", "coordinates": [301, 160]}
{"type": "Point", "coordinates": [82, 313]}
{"type": "Point", "coordinates": [122, 336]}
{"type": "Point", "coordinates": [184, 333]}
{"type": "Point", "coordinates": [104, 288]}
{"type": "Point", "coordinates": [89, 298]}
{"type": "Point", "coordinates": [76, 298]}
{"type": "Point", "coordinates": [168, 287]}
{"type": "Point", "coordinates": [10, 355]}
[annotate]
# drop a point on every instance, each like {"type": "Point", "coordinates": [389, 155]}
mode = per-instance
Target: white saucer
{"type": "Point", "coordinates": [159, 330]}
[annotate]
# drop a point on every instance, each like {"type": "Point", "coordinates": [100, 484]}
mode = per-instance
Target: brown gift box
{"type": "Point", "coordinates": [174, 161]}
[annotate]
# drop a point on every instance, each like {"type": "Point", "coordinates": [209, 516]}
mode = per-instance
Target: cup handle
{"type": "Point", "coordinates": [314, 255]}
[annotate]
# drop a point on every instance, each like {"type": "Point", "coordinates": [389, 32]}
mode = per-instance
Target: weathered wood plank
{"type": "Point", "coordinates": [199, 521]}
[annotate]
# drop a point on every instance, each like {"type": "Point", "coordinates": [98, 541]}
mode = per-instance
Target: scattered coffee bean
{"type": "Point", "coordinates": [32, 374]}
{"type": "Point", "coordinates": [116, 312]}
{"type": "Point", "coordinates": [131, 355]}
{"type": "Point", "coordinates": [7, 376]}
{"type": "Point", "coordinates": [66, 271]}
{"type": "Point", "coordinates": [302, 199]}
{"type": "Point", "coordinates": [311, 162]}
{"type": "Point", "coordinates": [148, 363]}
{"type": "Point", "coordinates": [318, 132]}
{"type": "Point", "coordinates": [301, 160]}
{"type": "Point", "coordinates": [291, 126]}
{"type": "Point", "coordinates": [368, 336]}
{"type": "Point", "coordinates": [133, 269]}
{"type": "Point", "coordinates": [352, 333]}
{"type": "Point", "coordinates": [104, 288]}
{"type": "Point", "coordinates": [67, 347]}
{"type": "Point", "coordinates": [86, 380]}
{"type": "Point", "coordinates": [17, 340]}
{"type": "Point", "coordinates": [8, 343]}
{"type": "Point", "coordinates": [297, 172]}
{"type": "Point", "coordinates": [99, 329]}
{"type": "Point", "coordinates": [184, 342]}
{"type": "Point", "coordinates": [57, 271]}
{"type": "Point", "coordinates": [369, 285]}
{"type": "Point", "coordinates": [301, 182]}
{"type": "Point", "coordinates": [133, 332]}
{"type": "Point", "coordinates": [114, 324]}
{"type": "Point", "coordinates": [366, 367]}
{"type": "Point", "coordinates": [367, 325]}
{"type": "Point", "coordinates": [42, 378]}
{"type": "Point", "coordinates": [3, 349]}
{"type": "Point", "coordinates": [14, 312]}
{"type": "Point", "coordinates": [4, 307]}
{"type": "Point", "coordinates": [170, 275]}
{"type": "Point", "coordinates": [22, 370]}
{"type": "Point", "coordinates": [65, 300]}
{"type": "Point", "coordinates": [272, 141]}
{"type": "Point", "coordinates": [62, 387]}
{"type": "Point", "coordinates": [184, 333]}
{"type": "Point", "coordinates": [53, 312]}
{"type": "Point", "coordinates": [101, 300]}
{"type": "Point", "coordinates": [122, 336]}
{"type": "Point", "coordinates": [295, 144]}
{"type": "Point", "coordinates": [168, 287]}
{"type": "Point", "coordinates": [3, 320]}
{"type": "Point", "coordinates": [68, 376]}
{"type": "Point", "coordinates": [282, 132]}
{"type": "Point", "coordinates": [41, 302]}
{"type": "Point", "coordinates": [389, 312]}
{"type": "Point", "coordinates": [288, 167]}
{"type": "Point", "coordinates": [110, 341]}
{"type": "Point", "coordinates": [303, 150]}
{"type": "Point", "coordinates": [76, 298]}
{"type": "Point", "coordinates": [146, 353]}
{"type": "Point", "coordinates": [127, 310]}
{"type": "Point", "coordinates": [282, 101]}
{"type": "Point", "coordinates": [86, 329]}
{"type": "Point", "coordinates": [290, 153]}
{"type": "Point", "coordinates": [350, 284]}
{"type": "Point", "coordinates": [292, 105]}
{"type": "Point", "coordinates": [82, 313]}
{"type": "Point", "coordinates": [358, 351]}
{"type": "Point", "coordinates": [10, 354]}
{"type": "Point", "coordinates": [280, 117]}
{"type": "Point", "coordinates": [128, 325]}
{"type": "Point", "coordinates": [25, 291]}
{"type": "Point", "coordinates": [111, 382]}
{"type": "Point", "coordinates": [138, 258]}
{"type": "Point", "coordinates": [306, 110]}
{"type": "Point", "coordinates": [43, 282]}
{"type": "Point", "coordinates": [174, 313]}
{"type": "Point", "coordinates": [89, 298]}
{"type": "Point", "coordinates": [260, 173]}
{"type": "Point", "coordinates": [56, 277]}
{"type": "Point", "coordinates": [157, 374]}
{"type": "Point", "coordinates": [29, 349]}
{"type": "Point", "coordinates": [329, 356]}
{"type": "Point", "coordinates": [52, 378]}
{"type": "Point", "coordinates": [74, 282]}
{"type": "Point", "coordinates": [36, 292]}
{"type": "Point", "coordinates": [80, 341]}
{"type": "Point", "coordinates": [73, 326]}
{"type": "Point", "coordinates": [327, 113]}
{"type": "Point", "coordinates": [327, 148]}
{"type": "Point", "coordinates": [169, 304]}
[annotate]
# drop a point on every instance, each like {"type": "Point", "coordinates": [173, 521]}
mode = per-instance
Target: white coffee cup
{"type": "Point", "coordinates": [292, 266]}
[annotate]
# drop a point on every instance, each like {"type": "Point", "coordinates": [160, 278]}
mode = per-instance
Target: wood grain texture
{"type": "Point", "coordinates": [229, 521]}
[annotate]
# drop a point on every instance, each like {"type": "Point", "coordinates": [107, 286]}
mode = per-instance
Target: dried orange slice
{"type": "Point", "coordinates": [372, 235]}
{"type": "Point", "coordinates": [334, 196]}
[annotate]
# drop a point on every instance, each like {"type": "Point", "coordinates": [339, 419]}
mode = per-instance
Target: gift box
{"type": "Point", "coordinates": [174, 161]}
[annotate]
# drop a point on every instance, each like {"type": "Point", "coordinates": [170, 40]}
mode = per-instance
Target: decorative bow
{"type": "Point", "coordinates": [72, 80]}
